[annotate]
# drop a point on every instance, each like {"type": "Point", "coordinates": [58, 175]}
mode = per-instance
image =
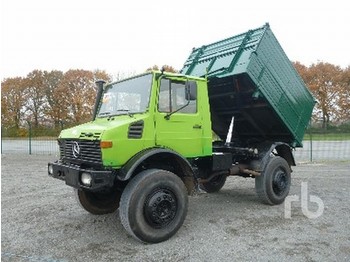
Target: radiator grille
{"type": "Point", "coordinates": [81, 151]}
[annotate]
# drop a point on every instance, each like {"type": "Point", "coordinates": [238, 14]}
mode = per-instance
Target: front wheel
{"type": "Point", "coordinates": [153, 205]}
{"type": "Point", "coordinates": [98, 203]}
{"type": "Point", "coordinates": [273, 185]}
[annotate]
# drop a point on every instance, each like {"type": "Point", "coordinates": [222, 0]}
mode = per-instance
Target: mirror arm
{"type": "Point", "coordinates": [167, 116]}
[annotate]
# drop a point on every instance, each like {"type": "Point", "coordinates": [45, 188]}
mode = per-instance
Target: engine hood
{"type": "Point", "coordinates": [95, 129]}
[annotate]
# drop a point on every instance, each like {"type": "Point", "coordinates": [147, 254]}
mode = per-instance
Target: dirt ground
{"type": "Point", "coordinates": [41, 221]}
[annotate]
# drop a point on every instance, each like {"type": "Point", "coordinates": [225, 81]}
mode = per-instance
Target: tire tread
{"type": "Point", "coordinates": [128, 194]}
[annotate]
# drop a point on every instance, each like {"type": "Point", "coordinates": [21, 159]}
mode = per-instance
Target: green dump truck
{"type": "Point", "coordinates": [238, 107]}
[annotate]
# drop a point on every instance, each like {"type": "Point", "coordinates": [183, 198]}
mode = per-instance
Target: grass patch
{"type": "Point", "coordinates": [328, 137]}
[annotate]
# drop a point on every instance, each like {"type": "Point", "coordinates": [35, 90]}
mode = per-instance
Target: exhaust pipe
{"type": "Point", "coordinates": [99, 84]}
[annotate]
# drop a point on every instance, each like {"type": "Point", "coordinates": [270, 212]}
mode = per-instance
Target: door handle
{"type": "Point", "coordinates": [197, 126]}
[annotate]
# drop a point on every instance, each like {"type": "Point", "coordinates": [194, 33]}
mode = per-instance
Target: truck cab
{"type": "Point", "coordinates": [150, 111]}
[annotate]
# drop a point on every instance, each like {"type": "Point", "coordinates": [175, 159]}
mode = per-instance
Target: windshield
{"type": "Point", "coordinates": [126, 97]}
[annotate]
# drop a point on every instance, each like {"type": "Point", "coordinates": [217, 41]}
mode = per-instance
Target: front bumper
{"type": "Point", "coordinates": [71, 174]}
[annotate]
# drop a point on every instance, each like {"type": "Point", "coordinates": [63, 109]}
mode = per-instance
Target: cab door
{"type": "Point", "coordinates": [177, 120]}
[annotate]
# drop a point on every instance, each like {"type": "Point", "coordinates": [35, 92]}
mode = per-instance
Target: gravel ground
{"type": "Point", "coordinates": [41, 221]}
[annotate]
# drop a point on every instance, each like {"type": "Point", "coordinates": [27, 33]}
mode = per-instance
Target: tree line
{"type": "Point", "coordinates": [330, 85]}
{"type": "Point", "coordinates": [48, 100]}
{"type": "Point", "coordinates": [51, 100]}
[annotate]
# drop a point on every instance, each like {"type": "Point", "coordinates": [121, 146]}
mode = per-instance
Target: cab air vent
{"type": "Point", "coordinates": [90, 135]}
{"type": "Point", "coordinates": [135, 130]}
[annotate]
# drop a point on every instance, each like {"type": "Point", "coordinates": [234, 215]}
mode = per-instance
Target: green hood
{"type": "Point", "coordinates": [95, 129]}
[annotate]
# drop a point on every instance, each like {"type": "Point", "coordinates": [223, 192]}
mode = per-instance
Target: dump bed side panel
{"type": "Point", "coordinates": [251, 78]}
{"type": "Point", "coordinates": [278, 82]}
{"type": "Point", "coordinates": [227, 57]}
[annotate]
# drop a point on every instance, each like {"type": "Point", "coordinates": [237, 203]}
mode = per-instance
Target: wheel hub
{"type": "Point", "coordinates": [280, 182]}
{"type": "Point", "coordinates": [160, 208]}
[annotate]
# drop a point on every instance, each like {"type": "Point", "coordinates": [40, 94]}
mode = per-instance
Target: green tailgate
{"type": "Point", "coordinates": [251, 78]}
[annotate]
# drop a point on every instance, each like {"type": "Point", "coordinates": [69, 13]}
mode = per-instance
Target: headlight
{"type": "Point", "coordinates": [50, 169]}
{"type": "Point", "coordinates": [86, 179]}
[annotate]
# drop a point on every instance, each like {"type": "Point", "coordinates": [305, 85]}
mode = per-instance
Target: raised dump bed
{"type": "Point", "coordinates": [252, 79]}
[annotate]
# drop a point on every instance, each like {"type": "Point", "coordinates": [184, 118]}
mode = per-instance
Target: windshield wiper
{"type": "Point", "coordinates": [125, 110]}
{"type": "Point", "coordinates": [104, 114]}
{"type": "Point", "coordinates": [109, 114]}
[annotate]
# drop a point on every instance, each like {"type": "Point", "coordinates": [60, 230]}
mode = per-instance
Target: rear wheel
{"type": "Point", "coordinates": [273, 185]}
{"type": "Point", "coordinates": [153, 205]}
{"type": "Point", "coordinates": [214, 184]}
{"type": "Point", "coordinates": [98, 203]}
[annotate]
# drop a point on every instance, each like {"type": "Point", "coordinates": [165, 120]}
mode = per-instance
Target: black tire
{"type": "Point", "coordinates": [273, 185]}
{"type": "Point", "coordinates": [153, 205]}
{"type": "Point", "coordinates": [214, 184]}
{"type": "Point", "coordinates": [98, 203]}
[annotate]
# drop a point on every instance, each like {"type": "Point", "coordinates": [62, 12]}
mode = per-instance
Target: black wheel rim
{"type": "Point", "coordinates": [280, 182]}
{"type": "Point", "coordinates": [160, 208]}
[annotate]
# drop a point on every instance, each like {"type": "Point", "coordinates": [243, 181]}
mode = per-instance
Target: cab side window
{"type": "Point", "coordinates": [174, 96]}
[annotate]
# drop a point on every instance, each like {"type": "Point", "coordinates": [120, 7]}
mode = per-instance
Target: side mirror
{"type": "Point", "coordinates": [191, 90]}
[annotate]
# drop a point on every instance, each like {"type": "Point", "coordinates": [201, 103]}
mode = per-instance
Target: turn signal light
{"type": "Point", "coordinates": [106, 144]}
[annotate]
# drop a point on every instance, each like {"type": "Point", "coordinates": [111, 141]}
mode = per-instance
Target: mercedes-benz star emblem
{"type": "Point", "coordinates": [76, 149]}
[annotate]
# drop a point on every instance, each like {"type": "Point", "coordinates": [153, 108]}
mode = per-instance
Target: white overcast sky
{"type": "Point", "coordinates": [130, 36]}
